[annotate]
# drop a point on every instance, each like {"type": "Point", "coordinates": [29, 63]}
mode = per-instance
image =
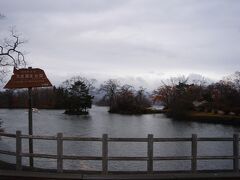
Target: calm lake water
{"type": "Point", "coordinates": [99, 121]}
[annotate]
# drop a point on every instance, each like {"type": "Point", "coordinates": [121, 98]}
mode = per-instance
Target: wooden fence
{"type": "Point", "coordinates": [105, 158]}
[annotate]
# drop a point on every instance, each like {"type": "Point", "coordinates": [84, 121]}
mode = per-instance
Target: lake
{"type": "Point", "coordinates": [99, 121]}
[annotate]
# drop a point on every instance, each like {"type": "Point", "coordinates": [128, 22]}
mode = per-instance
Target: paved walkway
{"type": "Point", "coordinates": [23, 175]}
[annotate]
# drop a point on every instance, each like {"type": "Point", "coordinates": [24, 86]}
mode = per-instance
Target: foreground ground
{"type": "Point", "coordinates": [13, 175]}
{"type": "Point", "coordinates": [8, 172]}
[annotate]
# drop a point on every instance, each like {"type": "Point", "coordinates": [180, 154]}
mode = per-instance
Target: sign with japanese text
{"type": "Point", "coordinates": [28, 78]}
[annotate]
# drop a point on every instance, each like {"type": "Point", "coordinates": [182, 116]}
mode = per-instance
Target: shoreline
{"type": "Point", "coordinates": [193, 116]}
{"type": "Point", "coordinates": [213, 118]}
{"type": "Point", "coordinates": [142, 112]}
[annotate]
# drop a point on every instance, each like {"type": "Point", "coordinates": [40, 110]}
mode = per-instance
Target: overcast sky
{"type": "Point", "coordinates": [138, 41]}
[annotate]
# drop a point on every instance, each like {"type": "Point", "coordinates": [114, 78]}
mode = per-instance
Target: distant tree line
{"type": "Point", "coordinates": [73, 96]}
{"type": "Point", "coordinates": [177, 95]}
{"type": "Point", "coordinates": [180, 97]}
{"type": "Point", "coordinates": [47, 98]}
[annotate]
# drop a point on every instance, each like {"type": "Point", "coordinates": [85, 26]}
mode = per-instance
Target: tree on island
{"type": "Point", "coordinates": [78, 99]}
{"type": "Point", "coordinates": [110, 89]}
{"type": "Point", "coordinates": [177, 96]}
{"type": "Point", "coordinates": [130, 101]}
{"type": "Point", "coordinates": [181, 99]}
{"type": "Point", "coordinates": [124, 99]}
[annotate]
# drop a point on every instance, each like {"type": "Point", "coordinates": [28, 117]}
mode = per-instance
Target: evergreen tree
{"type": "Point", "coordinates": [78, 100]}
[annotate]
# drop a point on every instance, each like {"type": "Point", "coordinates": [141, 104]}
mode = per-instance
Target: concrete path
{"type": "Point", "coordinates": [20, 175]}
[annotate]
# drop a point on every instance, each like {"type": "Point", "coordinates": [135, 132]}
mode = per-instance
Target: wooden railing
{"type": "Point", "coordinates": [105, 158]}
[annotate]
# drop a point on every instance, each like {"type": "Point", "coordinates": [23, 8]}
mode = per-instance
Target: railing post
{"type": "Point", "coordinates": [104, 153]}
{"type": "Point", "coordinates": [18, 150]}
{"type": "Point", "coordinates": [194, 152]}
{"type": "Point", "coordinates": [59, 152]}
{"type": "Point", "coordinates": [150, 154]}
{"type": "Point", "coordinates": [235, 152]}
{"type": "Point", "coordinates": [30, 128]}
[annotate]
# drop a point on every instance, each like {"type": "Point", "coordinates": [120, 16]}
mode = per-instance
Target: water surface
{"type": "Point", "coordinates": [99, 121]}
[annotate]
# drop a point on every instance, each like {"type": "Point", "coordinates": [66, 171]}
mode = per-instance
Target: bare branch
{"type": "Point", "coordinates": [10, 55]}
{"type": "Point", "coordinates": [1, 49]}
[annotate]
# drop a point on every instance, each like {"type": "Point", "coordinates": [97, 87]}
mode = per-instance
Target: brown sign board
{"type": "Point", "coordinates": [28, 78]}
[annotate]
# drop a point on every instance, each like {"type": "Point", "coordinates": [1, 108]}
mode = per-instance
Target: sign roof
{"type": "Point", "coordinates": [27, 78]}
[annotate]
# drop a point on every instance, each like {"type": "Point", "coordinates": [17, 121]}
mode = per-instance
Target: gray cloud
{"type": "Point", "coordinates": [128, 39]}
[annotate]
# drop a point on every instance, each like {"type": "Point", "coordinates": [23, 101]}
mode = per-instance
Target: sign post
{"type": "Point", "coordinates": [30, 125]}
{"type": "Point", "coordinates": [28, 78]}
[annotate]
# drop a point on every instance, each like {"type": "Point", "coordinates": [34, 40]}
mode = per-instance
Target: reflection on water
{"type": "Point", "coordinates": [99, 121]}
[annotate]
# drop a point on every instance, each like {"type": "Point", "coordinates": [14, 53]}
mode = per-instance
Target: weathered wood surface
{"type": "Point", "coordinates": [18, 151]}
{"type": "Point", "coordinates": [194, 153]}
{"type": "Point", "coordinates": [150, 153]}
{"type": "Point", "coordinates": [59, 152]}
{"type": "Point", "coordinates": [8, 152]}
{"type": "Point", "coordinates": [236, 152]}
{"type": "Point", "coordinates": [105, 154]}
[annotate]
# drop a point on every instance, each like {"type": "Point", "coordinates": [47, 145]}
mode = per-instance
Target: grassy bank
{"type": "Point", "coordinates": [137, 112]}
{"type": "Point", "coordinates": [213, 118]}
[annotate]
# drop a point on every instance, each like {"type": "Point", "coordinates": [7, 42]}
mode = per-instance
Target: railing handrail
{"type": "Point", "coordinates": [114, 139]}
{"type": "Point", "coordinates": [105, 158]}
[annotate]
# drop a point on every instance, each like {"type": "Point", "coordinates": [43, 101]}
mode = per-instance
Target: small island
{"type": "Point", "coordinates": [214, 103]}
{"type": "Point", "coordinates": [125, 99]}
{"type": "Point", "coordinates": [77, 97]}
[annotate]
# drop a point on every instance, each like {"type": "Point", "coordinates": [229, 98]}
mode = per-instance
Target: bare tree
{"type": "Point", "coordinates": [10, 53]}
{"type": "Point", "coordinates": [89, 83]}
{"type": "Point", "coordinates": [110, 88]}
{"type": "Point", "coordinates": [167, 91]}
{"type": "Point", "coordinates": [233, 80]}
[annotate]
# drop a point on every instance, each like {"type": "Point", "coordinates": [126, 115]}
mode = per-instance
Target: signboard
{"type": "Point", "coordinates": [28, 78]}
